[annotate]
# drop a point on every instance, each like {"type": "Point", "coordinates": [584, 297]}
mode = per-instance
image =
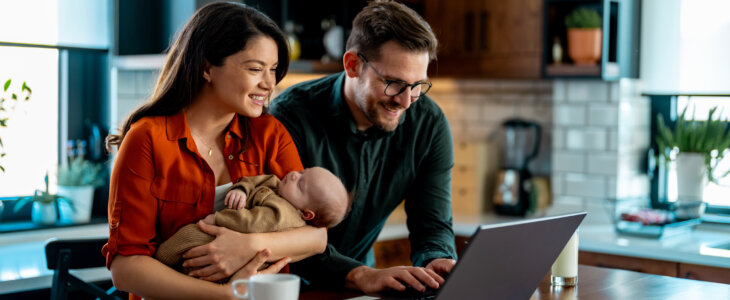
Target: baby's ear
{"type": "Point", "coordinates": [307, 214]}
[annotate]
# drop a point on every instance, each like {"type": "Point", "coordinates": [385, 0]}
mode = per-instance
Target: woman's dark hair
{"type": "Point", "coordinates": [215, 31]}
{"type": "Point", "coordinates": [382, 21]}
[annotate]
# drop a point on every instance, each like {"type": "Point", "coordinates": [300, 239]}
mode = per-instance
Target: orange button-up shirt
{"type": "Point", "coordinates": [160, 183]}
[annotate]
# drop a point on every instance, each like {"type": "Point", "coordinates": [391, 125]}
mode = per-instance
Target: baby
{"type": "Point", "coordinates": [312, 196]}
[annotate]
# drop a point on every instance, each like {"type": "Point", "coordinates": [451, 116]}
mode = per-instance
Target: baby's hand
{"type": "Point", "coordinates": [236, 199]}
{"type": "Point", "coordinates": [209, 219]}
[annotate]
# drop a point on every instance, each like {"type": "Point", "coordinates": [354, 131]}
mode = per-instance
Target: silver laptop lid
{"type": "Point", "coordinates": [508, 260]}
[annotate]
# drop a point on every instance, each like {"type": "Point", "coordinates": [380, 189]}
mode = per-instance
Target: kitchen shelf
{"type": "Point", "coordinates": [572, 70]}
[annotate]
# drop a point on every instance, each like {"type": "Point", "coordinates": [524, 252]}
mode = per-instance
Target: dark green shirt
{"type": "Point", "coordinates": [411, 163]}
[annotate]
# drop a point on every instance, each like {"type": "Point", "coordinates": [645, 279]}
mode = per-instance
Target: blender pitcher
{"type": "Point", "coordinates": [521, 143]}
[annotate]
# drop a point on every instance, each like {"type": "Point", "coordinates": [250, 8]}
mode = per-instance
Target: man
{"type": "Point", "coordinates": [373, 126]}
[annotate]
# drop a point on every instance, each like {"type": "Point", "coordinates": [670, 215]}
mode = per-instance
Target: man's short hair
{"type": "Point", "coordinates": [382, 21]}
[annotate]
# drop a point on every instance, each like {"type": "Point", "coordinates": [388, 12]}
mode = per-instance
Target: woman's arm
{"type": "Point", "coordinates": [147, 277]}
{"type": "Point", "coordinates": [230, 250]}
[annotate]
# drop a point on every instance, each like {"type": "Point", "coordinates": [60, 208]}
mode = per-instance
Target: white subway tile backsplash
{"type": "Point", "coordinates": [611, 188]}
{"type": "Point", "coordinates": [603, 163]}
{"type": "Point", "coordinates": [496, 112]}
{"type": "Point", "coordinates": [556, 184]}
{"type": "Point", "coordinates": [585, 186]}
{"type": "Point", "coordinates": [558, 138]}
{"type": "Point", "coordinates": [569, 161]}
{"type": "Point", "coordinates": [613, 140]}
{"type": "Point", "coordinates": [559, 93]}
{"type": "Point", "coordinates": [542, 113]}
{"type": "Point", "coordinates": [586, 139]}
{"type": "Point", "coordinates": [603, 115]}
{"type": "Point", "coordinates": [587, 91]}
{"type": "Point", "coordinates": [568, 200]}
{"type": "Point", "coordinates": [569, 115]}
{"type": "Point", "coordinates": [615, 92]}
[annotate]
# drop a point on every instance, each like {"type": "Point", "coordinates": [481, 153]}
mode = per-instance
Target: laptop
{"type": "Point", "coordinates": [505, 260]}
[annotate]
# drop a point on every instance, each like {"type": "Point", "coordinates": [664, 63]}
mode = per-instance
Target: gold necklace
{"type": "Point", "coordinates": [210, 149]}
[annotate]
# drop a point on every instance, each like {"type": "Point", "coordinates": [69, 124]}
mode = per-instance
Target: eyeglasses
{"type": "Point", "coordinates": [396, 87]}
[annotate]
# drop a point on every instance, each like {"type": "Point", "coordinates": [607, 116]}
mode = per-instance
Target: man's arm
{"type": "Point", "coordinates": [428, 200]}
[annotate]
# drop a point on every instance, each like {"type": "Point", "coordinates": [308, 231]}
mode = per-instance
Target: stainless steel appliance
{"type": "Point", "coordinates": [521, 143]}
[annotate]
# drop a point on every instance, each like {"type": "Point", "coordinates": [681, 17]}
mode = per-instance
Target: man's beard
{"type": "Point", "coordinates": [373, 116]}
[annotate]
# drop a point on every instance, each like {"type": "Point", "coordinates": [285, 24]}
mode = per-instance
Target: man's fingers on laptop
{"type": "Point", "coordinates": [427, 277]}
{"type": "Point", "coordinates": [439, 280]}
{"type": "Point", "coordinates": [441, 265]}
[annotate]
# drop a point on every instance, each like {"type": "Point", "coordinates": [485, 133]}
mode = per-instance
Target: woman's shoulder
{"type": "Point", "coordinates": [148, 125]}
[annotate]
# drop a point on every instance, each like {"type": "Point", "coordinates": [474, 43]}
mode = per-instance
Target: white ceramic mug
{"type": "Point", "coordinates": [268, 287]}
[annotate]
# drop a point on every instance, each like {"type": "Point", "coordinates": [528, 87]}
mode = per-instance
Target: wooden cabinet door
{"type": "Point", "coordinates": [705, 273]}
{"type": "Point", "coordinates": [642, 265]}
{"type": "Point", "coordinates": [486, 38]}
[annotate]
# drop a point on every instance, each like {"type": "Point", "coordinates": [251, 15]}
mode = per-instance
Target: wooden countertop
{"type": "Point", "coordinates": [598, 283]}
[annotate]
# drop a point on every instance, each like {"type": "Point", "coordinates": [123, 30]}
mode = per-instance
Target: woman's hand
{"type": "Point", "coordinates": [252, 267]}
{"type": "Point", "coordinates": [223, 256]}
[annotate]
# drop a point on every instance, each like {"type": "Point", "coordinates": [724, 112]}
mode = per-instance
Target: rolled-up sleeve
{"type": "Point", "coordinates": [132, 208]}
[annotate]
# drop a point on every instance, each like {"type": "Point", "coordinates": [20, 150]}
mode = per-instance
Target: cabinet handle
{"type": "Point", "coordinates": [483, 17]}
{"type": "Point", "coordinates": [468, 31]}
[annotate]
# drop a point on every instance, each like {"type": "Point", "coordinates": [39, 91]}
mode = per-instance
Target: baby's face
{"type": "Point", "coordinates": [300, 188]}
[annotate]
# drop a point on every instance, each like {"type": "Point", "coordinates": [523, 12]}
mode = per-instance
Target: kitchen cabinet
{"type": "Point", "coordinates": [472, 177]}
{"type": "Point", "coordinates": [659, 267]}
{"type": "Point", "coordinates": [642, 265]}
{"type": "Point", "coordinates": [704, 273]}
{"type": "Point", "coordinates": [486, 38]}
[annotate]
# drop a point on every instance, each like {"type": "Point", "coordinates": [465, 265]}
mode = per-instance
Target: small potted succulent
{"type": "Point", "coordinates": [44, 205]}
{"type": "Point", "coordinates": [77, 181]}
{"type": "Point", "coordinates": [584, 36]}
{"type": "Point", "coordinates": [696, 147]}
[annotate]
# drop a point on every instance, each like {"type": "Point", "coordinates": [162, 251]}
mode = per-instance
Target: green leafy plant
{"type": "Point", "coordinates": [43, 197]}
{"type": "Point", "coordinates": [709, 138]}
{"type": "Point", "coordinates": [583, 18]}
{"type": "Point", "coordinates": [8, 101]}
{"type": "Point", "coordinates": [81, 172]}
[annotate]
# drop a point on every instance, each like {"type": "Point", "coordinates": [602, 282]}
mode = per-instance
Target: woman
{"type": "Point", "coordinates": [204, 128]}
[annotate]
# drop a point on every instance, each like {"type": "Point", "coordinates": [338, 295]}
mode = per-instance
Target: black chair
{"type": "Point", "coordinates": [67, 254]}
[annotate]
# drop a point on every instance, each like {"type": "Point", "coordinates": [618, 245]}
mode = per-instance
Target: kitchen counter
{"type": "Point", "coordinates": [596, 234]}
{"type": "Point", "coordinates": [23, 264]}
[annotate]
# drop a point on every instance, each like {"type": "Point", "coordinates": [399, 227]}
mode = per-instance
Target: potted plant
{"type": "Point", "coordinates": [584, 36]}
{"type": "Point", "coordinates": [6, 107]}
{"type": "Point", "coordinates": [44, 205]}
{"type": "Point", "coordinates": [696, 147]}
{"type": "Point", "coordinates": [77, 181]}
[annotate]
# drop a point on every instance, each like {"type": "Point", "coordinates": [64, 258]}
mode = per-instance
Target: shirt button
{"type": "Point", "coordinates": [230, 157]}
{"type": "Point", "coordinates": [228, 136]}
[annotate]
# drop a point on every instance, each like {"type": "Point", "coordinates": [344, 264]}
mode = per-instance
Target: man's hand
{"type": "Point", "coordinates": [441, 266]}
{"type": "Point", "coordinates": [369, 280]}
{"type": "Point", "coordinates": [235, 199]}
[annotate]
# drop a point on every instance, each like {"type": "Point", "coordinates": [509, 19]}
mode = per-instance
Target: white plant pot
{"type": "Point", "coordinates": [691, 177]}
{"type": "Point", "coordinates": [82, 198]}
{"type": "Point", "coordinates": [43, 213]}
{"type": "Point", "coordinates": [691, 182]}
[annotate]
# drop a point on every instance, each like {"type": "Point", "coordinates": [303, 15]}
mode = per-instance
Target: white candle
{"type": "Point", "coordinates": [565, 267]}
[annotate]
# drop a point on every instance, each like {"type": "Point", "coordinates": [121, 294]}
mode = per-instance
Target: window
{"type": "Point", "coordinates": [664, 181]}
{"type": "Point", "coordinates": [60, 48]}
{"type": "Point", "coordinates": [31, 138]}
